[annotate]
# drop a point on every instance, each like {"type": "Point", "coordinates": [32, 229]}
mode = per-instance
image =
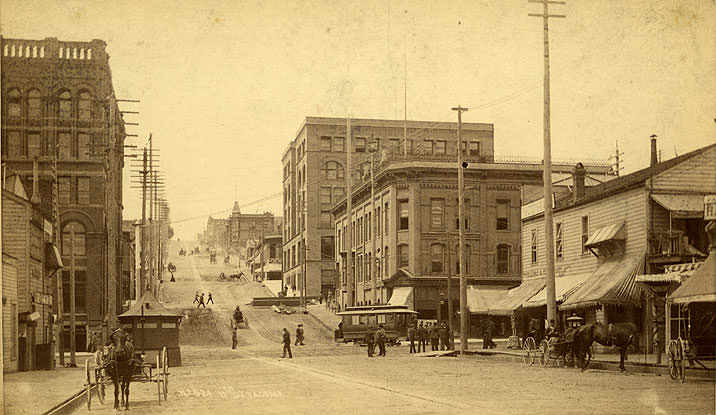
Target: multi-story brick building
{"type": "Point", "coordinates": [244, 227]}
{"type": "Point", "coordinates": [216, 232]}
{"type": "Point", "coordinates": [58, 102]}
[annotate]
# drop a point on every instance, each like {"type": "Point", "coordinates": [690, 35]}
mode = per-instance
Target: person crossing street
{"type": "Point", "coordinates": [210, 300]}
{"type": "Point", "coordinates": [299, 335]}
{"type": "Point", "coordinates": [286, 344]}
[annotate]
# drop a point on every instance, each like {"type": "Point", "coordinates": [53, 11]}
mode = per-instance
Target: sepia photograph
{"type": "Point", "coordinates": [358, 207]}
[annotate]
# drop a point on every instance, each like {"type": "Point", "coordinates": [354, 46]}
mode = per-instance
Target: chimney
{"type": "Point", "coordinates": [35, 199]}
{"type": "Point", "coordinates": [654, 154]}
{"type": "Point", "coordinates": [578, 181]}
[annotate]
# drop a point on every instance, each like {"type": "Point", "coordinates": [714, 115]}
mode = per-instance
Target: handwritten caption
{"type": "Point", "coordinates": [227, 393]}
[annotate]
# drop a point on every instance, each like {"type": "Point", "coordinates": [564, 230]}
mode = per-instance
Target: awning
{"type": "Point", "coordinates": [682, 206]}
{"type": "Point", "coordinates": [271, 267]}
{"type": "Point", "coordinates": [613, 282]}
{"type": "Point", "coordinates": [606, 233]}
{"type": "Point", "coordinates": [514, 298]}
{"type": "Point", "coordinates": [53, 258]}
{"type": "Point", "coordinates": [481, 299]}
{"type": "Point", "coordinates": [402, 296]}
{"type": "Point", "coordinates": [563, 287]}
{"type": "Point", "coordinates": [700, 287]}
{"type": "Point", "coordinates": [673, 273]}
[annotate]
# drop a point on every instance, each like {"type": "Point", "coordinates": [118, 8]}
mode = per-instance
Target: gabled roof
{"type": "Point", "coordinates": [148, 306]}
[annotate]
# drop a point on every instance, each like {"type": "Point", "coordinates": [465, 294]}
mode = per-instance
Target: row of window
{"type": "Point", "coordinates": [559, 240]}
{"type": "Point", "coordinates": [31, 105]}
{"type": "Point", "coordinates": [436, 147]}
{"type": "Point", "coordinates": [74, 190]}
{"type": "Point", "coordinates": [362, 227]}
{"type": "Point", "coordinates": [79, 146]}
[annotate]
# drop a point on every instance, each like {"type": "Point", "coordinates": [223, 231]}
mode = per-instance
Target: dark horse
{"type": "Point", "coordinates": [618, 335]}
{"type": "Point", "coordinates": [120, 367]}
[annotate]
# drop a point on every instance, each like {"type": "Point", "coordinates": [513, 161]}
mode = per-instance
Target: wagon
{"type": "Point", "coordinates": [145, 372]}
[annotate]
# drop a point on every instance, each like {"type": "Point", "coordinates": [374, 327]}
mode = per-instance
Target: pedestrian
{"type": "Point", "coordinates": [234, 339]}
{"type": "Point", "coordinates": [286, 344]}
{"type": "Point", "coordinates": [380, 338]}
{"type": "Point", "coordinates": [488, 328]}
{"type": "Point", "coordinates": [196, 298]}
{"type": "Point", "coordinates": [201, 301]}
{"type": "Point", "coordinates": [422, 336]}
{"type": "Point", "coordinates": [434, 336]}
{"type": "Point", "coordinates": [299, 335]}
{"type": "Point", "coordinates": [370, 341]}
{"type": "Point", "coordinates": [94, 343]}
{"type": "Point", "coordinates": [210, 299]}
{"type": "Point", "coordinates": [411, 337]}
{"type": "Point", "coordinates": [444, 338]}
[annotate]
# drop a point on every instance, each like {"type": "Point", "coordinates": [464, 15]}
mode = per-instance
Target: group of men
{"type": "Point", "coordinates": [378, 337]}
{"type": "Point", "coordinates": [199, 300]}
{"type": "Point", "coordinates": [439, 336]}
{"type": "Point", "coordinates": [287, 340]}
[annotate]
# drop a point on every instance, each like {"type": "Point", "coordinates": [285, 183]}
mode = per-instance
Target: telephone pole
{"type": "Point", "coordinates": [547, 177]}
{"type": "Point", "coordinates": [374, 222]}
{"type": "Point", "coordinates": [57, 233]}
{"type": "Point", "coordinates": [349, 208]}
{"type": "Point", "coordinates": [461, 233]}
{"type": "Point", "coordinates": [143, 233]}
{"type": "Point", "coordinates": [448, 243]}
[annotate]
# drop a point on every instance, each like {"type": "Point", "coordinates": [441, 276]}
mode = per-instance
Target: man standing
{"type": "Point", "coordinates": [286, 344]}
{"type": "Point", "coordinates": [411, 337]}
{"type": "Point", "coordinates": [380, 337]}
{"type": "Point", "coordinates": [299, 335]}
{"type": "Point", "coordinates": [422, 337]}
{"type": "Point", "coordinates": [434, 336]}
{"type": "Point", "coordinates": [444, 338]}
{"type": "Point", "coordinates": [370, 341]}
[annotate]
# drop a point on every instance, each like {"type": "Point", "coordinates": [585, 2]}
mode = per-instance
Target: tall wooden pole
{"type": "Point", "coordinates": [73, 316]}
{"type": "Point", "coordinates": [349, 208]}
{"type": "Point", "coordinates": [58, 232]}
{"type": "Point", "coordinates": [143, 230]}
{"type": "Point", "coordinates": [448, 243]}
{"type": "Point", "coordinates": [461, 233]}
{"type": "Point", "coordinates": [374, 225]}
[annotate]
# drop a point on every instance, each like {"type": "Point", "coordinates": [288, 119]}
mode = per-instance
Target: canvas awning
{"type": "Point", "coordinates": [514, 298]}
{"type": "Point", "coordinates": [681, 206]}
{"type": "Point", "coordinates": [613, 282]}
{"type": "Point", "coordinates": [53, 258]}
{"type": "Point", "coordinates": [700, 287]}
{"type": "Point", "coordinates": [402, 296]}
{"type": "Point", "coordinates": [271, 267]}
{"type": "Point", "coordinates": [481, 299]}
{"type": "Point", "coordinates": [673, 273]}
{"type": "Point", "coordinates": [563, 287]}
{"type": "Point", "coordinates": [606, 233]}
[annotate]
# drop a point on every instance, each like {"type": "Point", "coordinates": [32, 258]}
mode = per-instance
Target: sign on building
{"type": "Point", "coordinates": [710, 207]}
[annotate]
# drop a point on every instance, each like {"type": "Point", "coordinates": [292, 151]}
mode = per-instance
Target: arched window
{"type": "Point", "coordinates": [79, 238]}
{"type": "Point", "coordinates": [65, 105]}
{"type": "Point", "coordinates": [34, 102]}
{"type": "Point", "coordinates": [84, 106]}
{"type": "Point", "coordinates": [503, 259]}
{"type": "Point", "coordinates": [331, 170]}
{"type": "Point", "coordinates": [13, 103]}
{"type": "Point", "coordinates": [437, 258]}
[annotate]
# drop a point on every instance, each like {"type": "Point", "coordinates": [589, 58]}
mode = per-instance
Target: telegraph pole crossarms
{"type": "Point", "coordinates": [461, 222]}
{"type": "Point", "coordinates": [547, 176]}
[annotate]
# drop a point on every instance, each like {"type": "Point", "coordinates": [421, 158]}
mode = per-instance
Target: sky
{"type": "Point", "coordinates": [224, 85]}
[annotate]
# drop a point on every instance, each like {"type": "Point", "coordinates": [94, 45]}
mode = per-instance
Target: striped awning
{"type": "Point", "coordinates": [563, 288]}
{"type": "Point", "coordinates": [673, 273]}
{"type": "Point", "coordinates": [701, 287]}
{"type": "Point", "coordinates": [514, 298]}
{"type": "Point", "coordinates": [613, 282]}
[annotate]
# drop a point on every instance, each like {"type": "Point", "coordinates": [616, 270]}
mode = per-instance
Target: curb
{"type": "Point", "coordinates": [319, 320]}
{"type": "Point", "coordinates": [70, 404]}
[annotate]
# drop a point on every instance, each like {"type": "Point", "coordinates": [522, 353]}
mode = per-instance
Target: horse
{"type": "Point", "coordinates": [618, 335]}
{"type": "Point", "coordinates": [120, 366]}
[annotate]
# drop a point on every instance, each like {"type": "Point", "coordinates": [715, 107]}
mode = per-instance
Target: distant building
{"type": "Point", "coordinates": [265, 261]}
{"type": "Point", "coordinates": [216, 232]}
{"type": "Point", "coordinates": [244, 227]}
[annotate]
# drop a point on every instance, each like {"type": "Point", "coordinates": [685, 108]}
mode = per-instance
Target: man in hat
{"type": "Point", "coordinates": [411, 336]}
{"type": "Point", "coordinates": [286, 343]}
{"type": "Point", "coordinates": [370, 341]}
{"type": "Point", "coordinates": [299, 335]}
{"type": "Point", "coordinates": [201, 301]}
{"type": "Point", "coordinates": [422, 336]}
{"type": "Point", "coordinates": [380, 338]}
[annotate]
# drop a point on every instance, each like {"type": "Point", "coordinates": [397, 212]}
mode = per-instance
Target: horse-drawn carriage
{"type": "Point", "coordinates": [239, 319]}
{"type": "Point", "coordinates": [231, 277]}
{"type": "Point", "coordinates": [558, 348]}
{"type": "Point", "coordinates": [120, 366]}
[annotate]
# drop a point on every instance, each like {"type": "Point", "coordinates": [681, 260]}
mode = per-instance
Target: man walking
{"type": "Point", "coordinates": [380, 337]}
{"type": "Point", "coordinates": [299, 335]}
{"type": "Point", "coordinates": [201, 301]}
{"type": "Point", "coordinates": [196, 298]}
{"type": "Point", "coordinates": [434, 336]}
{"type": "Point", "coordinates": [210, 300]}
{"type": "Point", "coordinates": [411, 337]}
{"type": "Point", "coordinates": [422, 337]}
{"type": "Point", "coordinates": [370, 341]}
{"type": "Point", "coordinates": [286, 344]}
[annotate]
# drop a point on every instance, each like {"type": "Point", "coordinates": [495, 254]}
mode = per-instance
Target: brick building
{"type": "Point", "coordinates": [58, 102]}
{"type": "Point", "coordinates": [216, 232]}
{"type": "Point", "coordinates": [244, 227]}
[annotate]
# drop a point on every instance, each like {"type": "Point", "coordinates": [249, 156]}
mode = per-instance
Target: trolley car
{"type": "Point", "coordinates": [358, 320]}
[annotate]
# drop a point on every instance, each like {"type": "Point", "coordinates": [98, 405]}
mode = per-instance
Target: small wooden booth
{"type": "Point", "coordinates": [153, 327]}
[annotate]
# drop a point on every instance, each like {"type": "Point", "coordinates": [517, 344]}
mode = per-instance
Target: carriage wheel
{"type": "Point", "coordinates": [99, 381]}
{"type": "Point", "coordinates": [671, 360]}
{"type": "Point", "coordinates": [543, 355]}
{"type": "Point", "coordinates": [528, 348]}
{"type": "Point", "coordinates": [88, 385]}
{"type": "Point", "coordinates": [681, 366]}
{"type": "Point", "coordinates": [165, 372]}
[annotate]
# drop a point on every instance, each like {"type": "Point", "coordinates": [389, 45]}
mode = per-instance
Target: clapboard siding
{"type": "Point", "coordinates": [695, 175]}
{"type": "Point", "coordinates": [659, 218]}
{"type": "Point", "coordinates": [9, 317]}
{"type": "Point", "coordinates": [628, 206]}
{"type": "Point", "coordinates": [15, 224]}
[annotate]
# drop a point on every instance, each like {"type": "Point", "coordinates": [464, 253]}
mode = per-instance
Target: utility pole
{"type": "Point", "coordinates": [73, 316]}
{"type": "Point", "coordinates": [373, 224]}
{"type": "Point", "coordinates": [151, 221]}
{"type": "Point", "coordinates": [448, 243]}
{"type": "Point", "coordinates": [461, 233]}
{"type": "Point", "coordinates": [143, 233]}
{"type": "Point", "coordinates": [547, 177]}
{"type": "Point", "coordinates": [349, 208]}
{"type": "Point", "coordinates": [60, 295]}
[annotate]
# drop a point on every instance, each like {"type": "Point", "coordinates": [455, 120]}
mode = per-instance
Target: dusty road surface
{"type": "Point", "coordinates": [327, 378]}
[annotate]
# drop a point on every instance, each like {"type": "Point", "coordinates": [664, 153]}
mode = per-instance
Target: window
{"type": "Point", "coordinates": [63, 184]}
{"type": "Point", "coordinates": [13, 317]}
{"type": "Point", "coordinates": [404, 216]}
{"type": "Point", "coordinates": [325, 143]}
{"type": "Point", "coordinates": [368, 266]}
{"type": "Point", "coordinates": [17, 145]}
{"type": "Point", "coordinates": [14, 107]}
{"type": "Point", "coordinates": [368, 226]}
{"type": "Point", "coordinates": [65, 145]}
{"type": "Point", "coordinates": [439, 148]}
{"type": "Point", "coordinates": [338, 193]}
{"type": "Point", "coordinates": [427, 146]}
{"type": "Point", "coordinates": [327, 247]}
{"type": "Point", "coordinates": [331, 170]}
{"type": "Point", "coordinates": [585, 233]}
{"type": "Point", "coordinates": [474, 150]}
{"type": "Point", "coordinates": [402, 256]}
{"type": "Point", "coordinates": [385, 218]}
{"type": "Point", "coordinates": [325, 218]}
{"type": "Point", "coordinates": [79, 238]}
{"type": "Point", "coordinates": [83, 190]}
{"type": "Point", "coordinates": [395, 145]}
{"type": "Point", "coordinates": [385, 261]}
{"type": "Point", "coordinates": [437, 258]}
{"type": "Point", "coordinates": [503, 222]}
{"type": "Point", "coordinates": [436, 213]}
{"type": "Point", "coordinates": [80, 292]}
{"type": "Point", "coordinates": [359, 145]}
{"type": "Point", "coordinates": [84, 106]}
{"type": "Point", "coordinates": [65, 105]}
{"type": "Point", "coordinates": [34, 109]}
{"type": "Point", "coordinates": [378, 219]}
{"type": "Point", "coordinates": [558, 240]}
{"type": "Point", "coordinates": [83, 146]}
{"type": "Point", "coordinates": [33, 145]}
{"type": "Point", "coordinates": [533, 246]}
{"type": "Point", "coordinates": [326, 195]}
{"type": "Point", "coordinates": [359, 268]}
{"type": "Point", "coordinates": [503, 259]}
{"type": "Point", "coordinates": [339, 144]}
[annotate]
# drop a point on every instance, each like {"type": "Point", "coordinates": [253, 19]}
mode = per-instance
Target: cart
{"type": "Point", "coordinates": [144, 373]}
{"type": "Point", "coordinates": [557, 349]}
{"type": "Point", "coordinates": [529, 351]}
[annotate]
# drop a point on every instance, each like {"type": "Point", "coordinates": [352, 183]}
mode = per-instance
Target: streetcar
{"type": "Point", "coordinates": [358, 320]}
